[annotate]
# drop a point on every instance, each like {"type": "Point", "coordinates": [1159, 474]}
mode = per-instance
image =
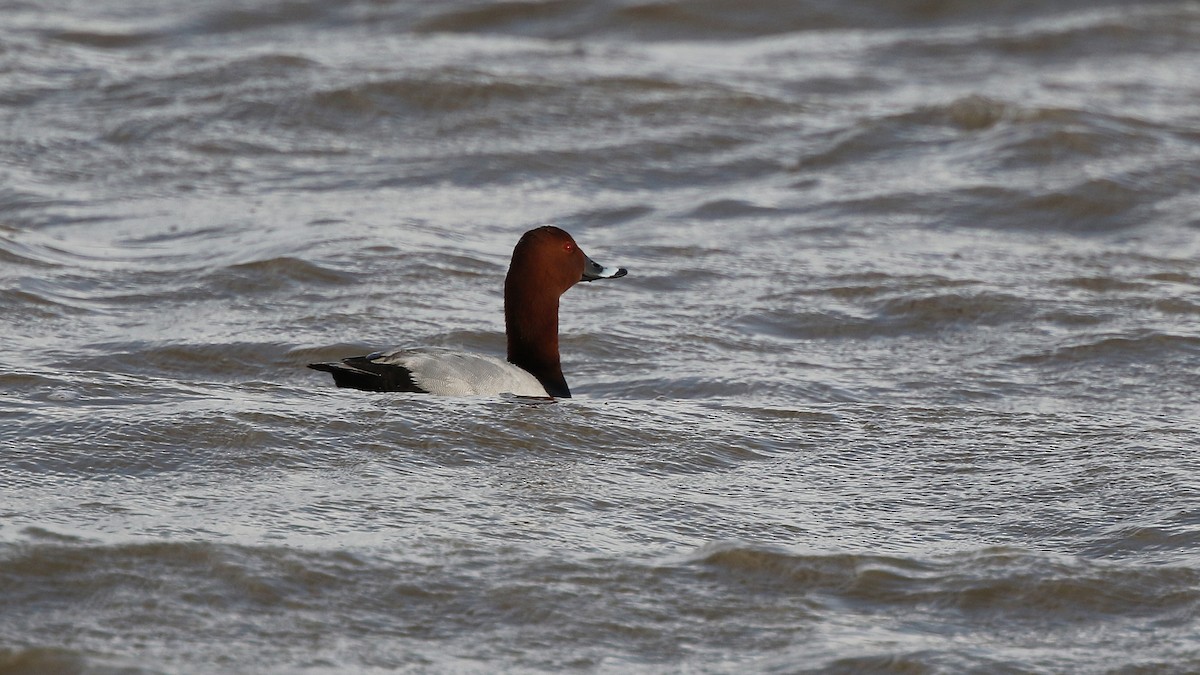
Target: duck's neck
{"type": "Point", "coordinates": [531, 324]}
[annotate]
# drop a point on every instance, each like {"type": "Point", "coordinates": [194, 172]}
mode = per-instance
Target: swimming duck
{"type": "Point", "coordinates": [545, 263]}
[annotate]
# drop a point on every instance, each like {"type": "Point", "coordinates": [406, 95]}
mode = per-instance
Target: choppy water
{"type": "Point", "coordinates": [903, 378]}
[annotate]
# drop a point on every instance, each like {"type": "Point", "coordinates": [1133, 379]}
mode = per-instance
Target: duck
{"type": "Point", "coordinates": [546, 263]}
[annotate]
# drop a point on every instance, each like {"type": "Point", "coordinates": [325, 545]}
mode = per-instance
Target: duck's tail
{"type": "Point", "coordinates": [360, 372]}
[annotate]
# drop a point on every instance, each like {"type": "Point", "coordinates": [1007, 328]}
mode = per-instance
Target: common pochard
{"type": "Point", "coordinates": [545, 263]}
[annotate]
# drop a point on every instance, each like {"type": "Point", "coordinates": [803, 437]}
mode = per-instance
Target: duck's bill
{"type": "Point", "coordinates": [593, 270]}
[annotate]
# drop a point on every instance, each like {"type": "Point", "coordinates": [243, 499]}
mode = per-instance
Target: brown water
{"type": "Point", "coordinates": [904, 377]}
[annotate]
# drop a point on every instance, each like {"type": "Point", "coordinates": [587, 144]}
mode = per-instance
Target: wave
{"type": "Point", "coordinates": [1018, 584]}
{"type": "Point", "coordinates": [714, 20]}
{"type": "Point", "coordinates": [639, 20]}
{"type": "Point", "coordinates": [1141, 347]}
{"type": "Point", "coordinates": [66, 661]}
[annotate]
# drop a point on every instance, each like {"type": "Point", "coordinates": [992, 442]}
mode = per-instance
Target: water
{"type": "Point", "coordinates": [903, 378]}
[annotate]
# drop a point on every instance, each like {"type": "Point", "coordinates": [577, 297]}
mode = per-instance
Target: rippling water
{"type": "Point", "coordinates": [903, 378]}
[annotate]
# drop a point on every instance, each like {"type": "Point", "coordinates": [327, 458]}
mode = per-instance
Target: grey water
{"type": "Point", "coordinates": [903, 379]}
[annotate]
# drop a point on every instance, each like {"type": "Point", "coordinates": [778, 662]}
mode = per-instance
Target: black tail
{"type": "Point", "coordinates": [359, 372]}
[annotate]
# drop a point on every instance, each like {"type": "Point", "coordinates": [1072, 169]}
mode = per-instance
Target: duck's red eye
{"type": "Point", "coordinates": [568, 247]}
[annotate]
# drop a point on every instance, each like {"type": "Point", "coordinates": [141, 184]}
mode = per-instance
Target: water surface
{"type": "Point", "coordinates": [903, 377]}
